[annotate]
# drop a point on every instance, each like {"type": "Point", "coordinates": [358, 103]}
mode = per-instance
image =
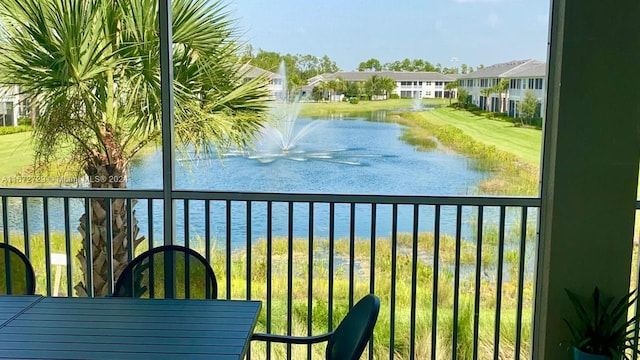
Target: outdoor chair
{"type": "Point", "coordinates": [16, 273]}
{"type": "Point", "coordinates": [348, 340]}
{"type": "Point", "coordinates": [188, 275]}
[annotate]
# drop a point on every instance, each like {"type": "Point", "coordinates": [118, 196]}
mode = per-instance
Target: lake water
{"type": "Point", "coordinates": [345, 155]}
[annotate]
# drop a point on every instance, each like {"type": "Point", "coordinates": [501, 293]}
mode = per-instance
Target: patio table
{"type": "Point", "coordinates": [35, 327]}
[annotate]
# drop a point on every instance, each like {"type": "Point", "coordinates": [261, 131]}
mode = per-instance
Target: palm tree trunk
{"type": "Point", "coordinates": [106, 176]}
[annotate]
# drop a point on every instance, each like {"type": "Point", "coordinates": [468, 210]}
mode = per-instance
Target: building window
{"type": "Point", "coordinates": [439, 83]}
{"type": "Point", "coordinates": [428, 83]}
{"type": "Point", "coordinates": [515, 84]}
{"type": "Point", "coordinates": [538, 84]}
{"type": "Point", "coordinates": [428, 93]}
{"type": "Point", "coordinates": [6, 113]}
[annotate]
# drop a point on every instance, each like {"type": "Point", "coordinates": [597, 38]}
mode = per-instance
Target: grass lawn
{"type": "Point", "coordinates": [16, 152]}
{"type": "Point", "coordinates": [525, 143]}
{"type": "Point", "coordinates": [333, 108]}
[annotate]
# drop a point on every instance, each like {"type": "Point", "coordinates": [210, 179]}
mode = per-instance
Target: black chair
{"type": "Point", "coordinates": [188, 275]}
{"type": "Point", "coordinates": [348, 340]}
{"type": "Point", "coordinates": [16, 273]}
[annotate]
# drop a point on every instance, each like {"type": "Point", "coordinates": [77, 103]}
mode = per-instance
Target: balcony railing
{"type": "Point", "coordinates": [455, 274]}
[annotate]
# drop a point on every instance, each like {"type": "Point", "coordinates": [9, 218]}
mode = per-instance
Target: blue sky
{"type": "Point", "coordinates": [351, 31]}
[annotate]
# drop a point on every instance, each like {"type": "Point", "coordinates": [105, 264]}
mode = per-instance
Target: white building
{"type": "Point", "coordinates": [9, 106]}
{"type": "Point", "coordinates": [419, 84]}
{"type": "Point", "coordinates": [522, 75]}
{"type": "Point", "coordinates": [276, 81]}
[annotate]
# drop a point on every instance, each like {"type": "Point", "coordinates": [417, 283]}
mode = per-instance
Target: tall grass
{"type": "Point", "coordinates": [510, 176]}
{"type": "Point", "coordinates": [310, 275]}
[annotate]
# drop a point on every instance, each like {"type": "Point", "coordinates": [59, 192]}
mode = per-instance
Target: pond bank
{"type": "Point", "coordinates": [512, 175]}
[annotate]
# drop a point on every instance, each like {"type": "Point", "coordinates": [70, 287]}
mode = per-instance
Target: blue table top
{"type": "Point", "coordinates": [33, 327]}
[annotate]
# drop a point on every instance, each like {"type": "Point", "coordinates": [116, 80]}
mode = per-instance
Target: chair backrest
{"type": "Point", "coordinates": [187, 274]}
{"type": "Point", "coordinates": [16, 273]}
{"type": "Point", "coordinates": [355, 330]}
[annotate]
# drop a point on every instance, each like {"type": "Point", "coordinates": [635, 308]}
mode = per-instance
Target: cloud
{"type": "Point", "coordinates": [493, 20]}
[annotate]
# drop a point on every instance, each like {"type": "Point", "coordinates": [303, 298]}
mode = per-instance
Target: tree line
{"type": "Point", "coordinates": [414, 65]}
{"type": "Point", "coordinates": [300, 68]}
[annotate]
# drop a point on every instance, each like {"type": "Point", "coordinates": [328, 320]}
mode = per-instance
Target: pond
{"type": "Point", "coordinates": [340, 155]}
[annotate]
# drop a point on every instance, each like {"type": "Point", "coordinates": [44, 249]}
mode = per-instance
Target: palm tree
{"type": "Point", "coordinates": [387, 85]}
{"type": "Point", "coordinates": [93, 67]}
{"type": "Point", "coordinates": [372, 86]}
{"type": "Point", "coordinates": [487, 93]}
{"type": "Point", "coordinates": [451, 87]}
{"type": "Point", "coordinates": [335, 86]}
{"type": "Point", "coordinates": [502, 88]}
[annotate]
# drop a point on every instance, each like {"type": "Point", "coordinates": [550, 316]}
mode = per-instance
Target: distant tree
{"type": "Point", "coordinates": [409, 65]}
{"type": "Point", "coordinates": [463, 98]}
{"type": "Point", "coordinates": [308, 65]}
{"type": "Point", "coordinates": [372, 86]}
{"type": "Point", "coordinates": [387, 85]}
{"type": "Point", "coordinates": [450, 87]}
{"type": "Point", "coordinates": [353, 89]}
{"type": "Point", "coordinates": [300, 68]}
{"type": "Point", "coordinates": [480, 67]}
{"type": "Point", "coordinates": [528, 107]}
{"type": "Point", "coordinates": [326, 65]}
{"type": "Point", "coordinates": [406, 65]}
{"type": "Point", "coordinates": [464, 68]}
{"type": "Point", "coordinates": [393, 66]}
{"type": "Point", "coordinates": [317, 93]}
{"type": "Point", "coordinates": [438, 67]}
{"type": "Point", "coordinates": [486, 92]}
{"type": "Point", "coordinates": [267, 60]}
{"type": "Point", "coordinates": [322, 88]}
{"type": "Point", "coordinates": [370, 65]}
{"type": "Point", "coordinates": [334, 87]}
{"type": "Point", "coordinates": [502, 88]}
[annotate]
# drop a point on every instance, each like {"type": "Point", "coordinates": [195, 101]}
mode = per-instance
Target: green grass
{"type": "Point", "coordinates": [510, 175]}
{"type": "Point", "coordinates": [524, 143]}
{"type": "Point", "coordinates": [345, 108]}
{"type": "Point", "coordinates": [384, 288]}
{"type": "Point", "coordinates": [16, 152]}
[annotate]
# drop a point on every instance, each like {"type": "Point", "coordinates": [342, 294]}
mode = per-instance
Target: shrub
{"type": "Point", "coordinates": [394, 96]}
{"type": "Point", "coordinates": [24, 121]}
{"type": "Point", "coordinates": [5, 130]}
{"type": "Point", "coordinates": [354, 100]}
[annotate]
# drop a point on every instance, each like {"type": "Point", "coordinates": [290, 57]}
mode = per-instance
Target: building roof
{"type": "Point", "coordinates": [536, 69]}
{"type": "Point", "coordinates": [252, 72]}
{"type": "Point", "coordinates": [395, 75]}
{"type": "Point", "coordinates": [524, 68]}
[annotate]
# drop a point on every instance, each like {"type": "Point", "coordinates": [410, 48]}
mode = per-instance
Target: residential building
{"type": "Point", "coordinates": [277, 86]}
{"type": "Point", "coordinates": [419, 84]}
{"type": "Point", "coordinates": [522, 75]}
{"type": "Point", "coordinates": [9, 106]}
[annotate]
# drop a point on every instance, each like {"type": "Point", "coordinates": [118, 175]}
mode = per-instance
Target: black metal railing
{"type": "Point", "coordinates": [455, 274]}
